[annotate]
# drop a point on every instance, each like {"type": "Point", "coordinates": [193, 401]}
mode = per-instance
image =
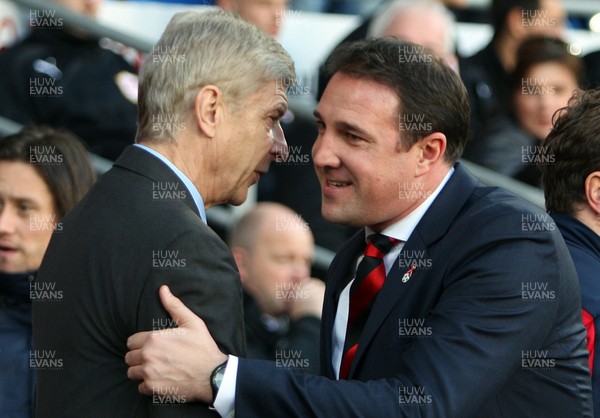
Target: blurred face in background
{"type": "Point", "coordinates": [268, 15]}
{"type": "Point", "coordinates": [279, 260]}
{"type": "Point", "coordinates": [90, 8]}
{"type": "Point", "coordinates": [421, 27]}
{"type": "Point", "coordinates": [27, 217]}
{"type": "Point", "coordinates": [546, 88]}
{"type": "Point", "coordinates": [549, 20]}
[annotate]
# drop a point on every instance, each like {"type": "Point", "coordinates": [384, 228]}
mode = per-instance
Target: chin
{"type": "Point", "coordinates": [338, 216]}
{"type": "Point", "coordinates": [238, 199]}
{"type": "Point", "coordinates": [12, 269]}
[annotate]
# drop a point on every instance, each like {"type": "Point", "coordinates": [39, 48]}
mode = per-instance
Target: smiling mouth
{"type": "Point", "coordinates": [5, 249]}
{"type": "Point", "coordinates": [338, 184]}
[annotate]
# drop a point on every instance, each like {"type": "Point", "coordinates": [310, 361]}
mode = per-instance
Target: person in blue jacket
{"type": "Point", "coordinates": [570, 164]}
{"type": "Point", "coordinates": [43, 173]}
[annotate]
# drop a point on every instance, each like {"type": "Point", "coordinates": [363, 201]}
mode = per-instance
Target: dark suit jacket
{"type": "Point", "coordinates": [138, 228]}
{"type": "Point", "coordinates": [488, 325]}
{"type": "Point", "coordinates": [584, 247]}
{"type": "Point", "coordinates": [295, 345]}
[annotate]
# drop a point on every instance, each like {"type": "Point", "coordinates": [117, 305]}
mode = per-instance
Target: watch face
{"type": "Point", "coordinates": [219, 377]}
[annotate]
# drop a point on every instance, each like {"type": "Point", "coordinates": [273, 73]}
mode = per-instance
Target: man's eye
{"type": "Point", "coordinates": [24, 208]}
{"type": "Point", "coordinates": [352, 137]}
{"type": "Point", "coordinates": [273, 120]}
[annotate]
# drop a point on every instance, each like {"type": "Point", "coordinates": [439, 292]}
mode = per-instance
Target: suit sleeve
{"type": "Point", "coordinates": [199, 269]}
{"type": "Point", "coordinates": [303, 338]}
{"type": "Point", "coordinates": [480, 326]}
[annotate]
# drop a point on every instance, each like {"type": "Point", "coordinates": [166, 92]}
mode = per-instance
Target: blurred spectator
{"type": "Point", "coordinates": [273, 249]}
{"type": "Point", "coordinates": [43, 173]}
{"type": "Point", "coordinates": [571, 179]}
{"type": "Point", "coordinates": [544, 79]}
{"type": "Point", "coordinates": [424, 22]}
{"type": "Point", "coordinates": [61, 76]}
{"type": "Point", "coordinates": [266, 14]}
{"type": "Point", "coordinates": [487, 73]}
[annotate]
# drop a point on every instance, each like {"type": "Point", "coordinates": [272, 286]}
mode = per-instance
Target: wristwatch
{"type": "Point", "coordinates": [216, 378]}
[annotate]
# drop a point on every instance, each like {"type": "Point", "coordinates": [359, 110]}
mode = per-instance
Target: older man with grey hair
{"type": "Point", "coordinates": [424, 22]}
{"type": "Point", "coordinates": [208, 128]}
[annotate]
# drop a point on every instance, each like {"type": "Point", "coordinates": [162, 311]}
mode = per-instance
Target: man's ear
{"type": "Point", "coordinates": [208, 108]}
{"type": "Point", "coordinates": [592, 191]}
{"type": "Point", "coordinates": [432, 149]}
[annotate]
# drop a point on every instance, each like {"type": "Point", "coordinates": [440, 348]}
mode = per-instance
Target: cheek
{"type": "Point", "coordinates": [525, 108]}
{"type": "Point", "coordinates": [35, 244]}
{"type": "Point", "coordinates": [562, 100]}
{"type": "Point", "coordinates": [276, 272]}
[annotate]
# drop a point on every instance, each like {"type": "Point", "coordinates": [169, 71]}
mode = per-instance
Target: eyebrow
{"type": "Point", "coordinates": [19, 200]}
{"type": "Point", "coordinates": [347, 126]}
{"type": "Point", "coordinates": [344, 126]}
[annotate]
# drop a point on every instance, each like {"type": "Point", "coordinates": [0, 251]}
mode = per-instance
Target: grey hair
{"type": "Point", "coordinates": [388, 12]}
{"type": "Point", "coordinates": [199, 49]}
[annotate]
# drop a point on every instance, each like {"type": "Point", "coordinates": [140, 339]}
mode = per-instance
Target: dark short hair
{"type": "Point", "coordinates": [424, 84]}
{"type": "Point", "coordinates": [543, 49]}
{"type": "Point", "coordinates": [65, 167]}
{"type": "Point", "coordinates": [572, 152]}
{"type": "Point", "coordinates": [501, 8]}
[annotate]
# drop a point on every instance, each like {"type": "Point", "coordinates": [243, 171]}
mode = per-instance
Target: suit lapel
{"type": "Point", "coordinates": [432, 227]}
{"type": "Point", "coordinates": [337, 277]}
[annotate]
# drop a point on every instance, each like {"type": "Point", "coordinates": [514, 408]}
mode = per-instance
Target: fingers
{"type": "Point", "coordinates": [134, 358]}
{"type": "Point", "coordinates": [178, 311]}
{"type": "Point", "coordinates": [145, 389]}
{"type": "Point", "coordinates": [137, 341]}
{"type": "Point", "coordinates": [135, 373]}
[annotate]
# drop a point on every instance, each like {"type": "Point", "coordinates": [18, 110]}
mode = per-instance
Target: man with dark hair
{"type": "Point", "coordinates": [208, 128]}
{"type": "Point", "coordinates": [487, 73]}
{"type": "Point", "coordinates": [570, 164]}
{"type": "Point", "coordinates": [464, 302]}
{"type": "Point", "coordinates": [43, 174]}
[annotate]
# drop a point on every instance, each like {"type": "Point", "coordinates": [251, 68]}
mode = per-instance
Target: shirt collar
{"type": "Point", "coordinates": [402, 229]}
{"type": "Point", "coordinates": [184, 179]}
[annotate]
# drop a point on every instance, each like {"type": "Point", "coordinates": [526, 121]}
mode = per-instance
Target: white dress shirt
{"type": "Point", "coordinates": [184, 179]}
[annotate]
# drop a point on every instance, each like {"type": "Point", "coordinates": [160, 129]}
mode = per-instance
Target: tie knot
{"type": "Point", "coordinates": [379, 245]}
